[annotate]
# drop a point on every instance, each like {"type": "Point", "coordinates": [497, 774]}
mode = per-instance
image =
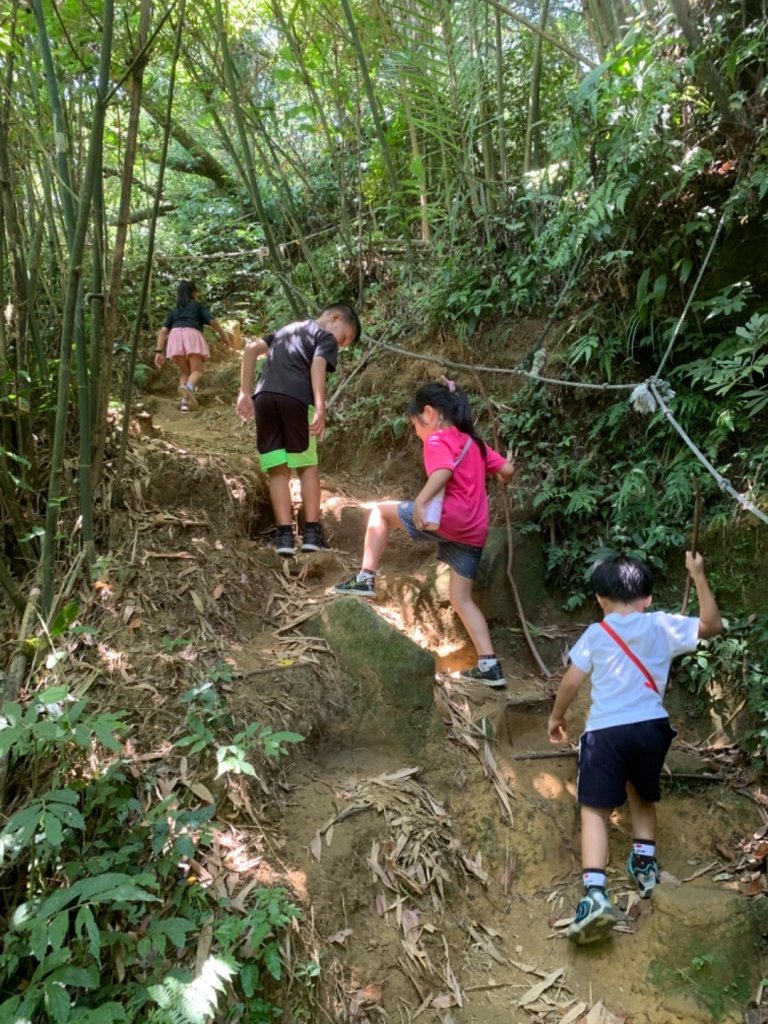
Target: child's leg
{"type": "Point", "coordinates": [643, 815]}
{"type": "Point", "coordinates": [594, 840]}
{"type": "Point", "coordinates": [196, 369]}
{"type": "Point", "coordinates": [595, 915]}
{"type": "Point", "coordinates": [642, 867]}
{"type": "Point", "coordinates": [382, 519]}
{"type": "Point", "coordinates": [460, 592]}
{"type": "Point", "coordinates": [280, 494]}
{"type": "Point", "coordinates": [309, 478]}
{"type": "Point", "coordinates": [182, 365]}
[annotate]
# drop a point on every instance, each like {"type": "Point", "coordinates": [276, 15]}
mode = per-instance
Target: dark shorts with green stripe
{"type": "Point", "coordinates": [282, 431]}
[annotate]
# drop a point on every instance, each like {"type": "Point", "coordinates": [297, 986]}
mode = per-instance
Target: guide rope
{"type": "Point", "coordinates": [646, 396]}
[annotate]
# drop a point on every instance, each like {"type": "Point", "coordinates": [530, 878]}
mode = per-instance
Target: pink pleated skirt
{"type": "Point", "coordinates": [185, 341]}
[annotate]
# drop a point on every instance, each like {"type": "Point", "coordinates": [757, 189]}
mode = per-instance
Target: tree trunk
{"type": "Point", "coordinates": [104, 378]}
{"type": "Point", "coordinates": [532, 150]}
{"type": "Point", "coordinates": [251, 178]}
{"type": "Point", "coordinates": [71, 296]}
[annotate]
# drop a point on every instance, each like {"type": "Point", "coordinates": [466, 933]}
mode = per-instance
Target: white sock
{"type": "Point", "coordinates": [485, 663]}
{"type": "Point", "coordinates": [593, 879]}
{"type": "Point", "coordinates": [643, 848]}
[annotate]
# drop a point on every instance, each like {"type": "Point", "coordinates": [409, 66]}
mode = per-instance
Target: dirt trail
{"type": "Point", "coordinates": [451, 947]}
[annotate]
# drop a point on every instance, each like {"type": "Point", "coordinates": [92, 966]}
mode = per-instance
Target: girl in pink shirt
{"type": "Point", "coordinates": [458, 461]}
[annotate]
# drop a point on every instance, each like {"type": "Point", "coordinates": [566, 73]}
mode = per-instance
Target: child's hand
{"type": "Point", "coordinates": [244, 406]}
{"type": "Point", "coordinates": [507, 471]}
{"type": "Point", "coordinates": [418, 515]}
{"type": "Point", "coordinates": [556, 730]}
{"type": "Point", "coordinates": [694, 563]}
{"type": "Point", "coordinates": [317, 426]}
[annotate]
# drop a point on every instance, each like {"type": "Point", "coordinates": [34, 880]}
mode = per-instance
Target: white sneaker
{"type": "Point", "coordinates": [188, 395]}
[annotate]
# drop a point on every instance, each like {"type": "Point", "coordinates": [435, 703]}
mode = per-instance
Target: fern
{"type": "Point", "coordinates": [191, 1002]}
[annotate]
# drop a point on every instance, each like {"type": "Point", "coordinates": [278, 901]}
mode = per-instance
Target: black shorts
{"type": "Point", "coordinates": [610, 758]}
{"type": "Point", "coordinates": [282, 423]}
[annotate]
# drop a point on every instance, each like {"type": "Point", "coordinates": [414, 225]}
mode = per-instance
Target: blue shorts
{"type": "Point", "coordinates": [610, 758]}
{"type": "Point", "coordinates": [464, 559]}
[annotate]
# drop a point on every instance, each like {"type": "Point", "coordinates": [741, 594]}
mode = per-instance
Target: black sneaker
{"type": "Point", "coordinates": [493, 676]}
{"type": "Point", "coordinates": [314, 538]}
{"type": "Point", "coordinates": [284, 541]}
{"type": "Point", "coordinates": [356, 587]}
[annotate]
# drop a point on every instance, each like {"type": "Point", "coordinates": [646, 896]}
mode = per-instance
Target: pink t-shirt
{"type": "Point", "coordinates": [465, 508]}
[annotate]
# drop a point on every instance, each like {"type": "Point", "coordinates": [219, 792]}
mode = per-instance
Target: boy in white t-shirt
{"type": "Point", "coordinates": [627, 733]}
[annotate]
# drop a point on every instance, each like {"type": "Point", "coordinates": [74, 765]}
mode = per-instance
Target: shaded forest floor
{"type": "Point", "coordinates": [436, 881]}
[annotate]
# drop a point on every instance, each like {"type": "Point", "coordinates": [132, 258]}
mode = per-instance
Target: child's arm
{"type": "Point", "coordinates": [567, 690]}
{"type": "Point", "coordinates": [162, 339]}
{"type": "Point", "coordinates": [506, 472]}
{"type": "Point", "coordinates": [317, 374]}
{"type": "Point", "coordinates": [710, 623]}
{"type": "Point", "coordinates": [254, 348]}
{"type": "Point", "coordinates": [222, 334]}
{"type": "Point", "coordinates": [435, 482]}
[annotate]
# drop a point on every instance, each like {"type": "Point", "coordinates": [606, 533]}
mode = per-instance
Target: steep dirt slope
{"type": "Point", "coordinates": [444, 891]}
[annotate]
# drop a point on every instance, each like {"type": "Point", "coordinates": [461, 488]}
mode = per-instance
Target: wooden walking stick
{"type": "Point", "coordinates": [694, 541]}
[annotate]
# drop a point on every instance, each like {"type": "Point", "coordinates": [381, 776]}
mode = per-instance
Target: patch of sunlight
{"type": "Point", "coordinates": [295, 486]}
{"type": "Point", "coordinates": [115, 661]}
{"type": "Point", "coordinates": [235, 487]}
{"type": "Point", "coordinates": [335, 504]}
{"type": "Point", "coordinates": [570, 788]}
{"type": "Point", "coordinates": [298, 883]}
{"type": "Point", "coordinates": [200, 996]}
{"type": "Point", "coordinates": [548, 786]}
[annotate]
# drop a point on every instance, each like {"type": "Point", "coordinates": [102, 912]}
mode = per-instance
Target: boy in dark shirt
{"type": "Point", "coordinates": [289, 408]}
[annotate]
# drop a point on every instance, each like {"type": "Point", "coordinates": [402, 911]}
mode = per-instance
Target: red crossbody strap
{"type": "Point", "coordinates": [649, 680]}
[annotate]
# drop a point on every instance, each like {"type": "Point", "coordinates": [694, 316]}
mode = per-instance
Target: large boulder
{"type": "Point", "coordinates": [709, 949]}
{"type": "Point", "coordinates": [492, 590]}
{"type": "Point", "coordinates": [396, 677]}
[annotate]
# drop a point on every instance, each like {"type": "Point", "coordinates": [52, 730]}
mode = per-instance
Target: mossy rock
{"type": "Point", "coordinates": [395, 675]}
{"type": "Point", "coordinates": [710, 942]}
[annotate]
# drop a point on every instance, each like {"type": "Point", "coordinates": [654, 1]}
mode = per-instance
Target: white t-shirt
{"type": "Point", "coordinates": [620, 692]}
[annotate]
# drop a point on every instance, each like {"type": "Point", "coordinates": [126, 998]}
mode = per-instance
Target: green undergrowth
{"type": "Point", "coordinates": [108, 863]}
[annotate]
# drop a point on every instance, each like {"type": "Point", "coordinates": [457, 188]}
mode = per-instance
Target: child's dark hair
{"type": "Point", "coordinates": [348, 315]}
{"type": "Point", "coordinates": [622, 579]}
{"type": "Point", "coordinates": [451, 402]}
{"type": "Point", "coordinates": [185, 293]}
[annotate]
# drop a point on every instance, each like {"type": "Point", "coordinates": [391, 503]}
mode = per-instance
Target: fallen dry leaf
{"type": "Point", "coordinates": [533, 993]}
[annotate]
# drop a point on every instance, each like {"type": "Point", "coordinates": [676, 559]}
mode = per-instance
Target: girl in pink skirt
{"type": "Point", "coordinates": [181, 339]}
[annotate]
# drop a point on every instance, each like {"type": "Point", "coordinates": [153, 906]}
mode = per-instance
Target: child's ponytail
{"type": "Point", "coordinates": [452, 403]}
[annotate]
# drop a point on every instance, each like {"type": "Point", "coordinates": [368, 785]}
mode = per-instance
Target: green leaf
{"type": "Point", "coordinates": [103, 731]}
{"type": "Point", "coordinates": [77, 977]}
{"type": "Point", "coordinates": [86, 921]}
{"type": "Point", "coordinates": [64, 619]}
{"type": "Point", "coordinates": [57, 1002]}
{"type": "Point", "coordinates": [53, 695]}
{"type": "Point", "coordinates": [106, 1013]}
{"type": "Point", "coordinates": [176, 928]}
{"type": "Point", "coordinates": [57, 930]}
{"type": "Point", "coordinates": [52, 828]}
